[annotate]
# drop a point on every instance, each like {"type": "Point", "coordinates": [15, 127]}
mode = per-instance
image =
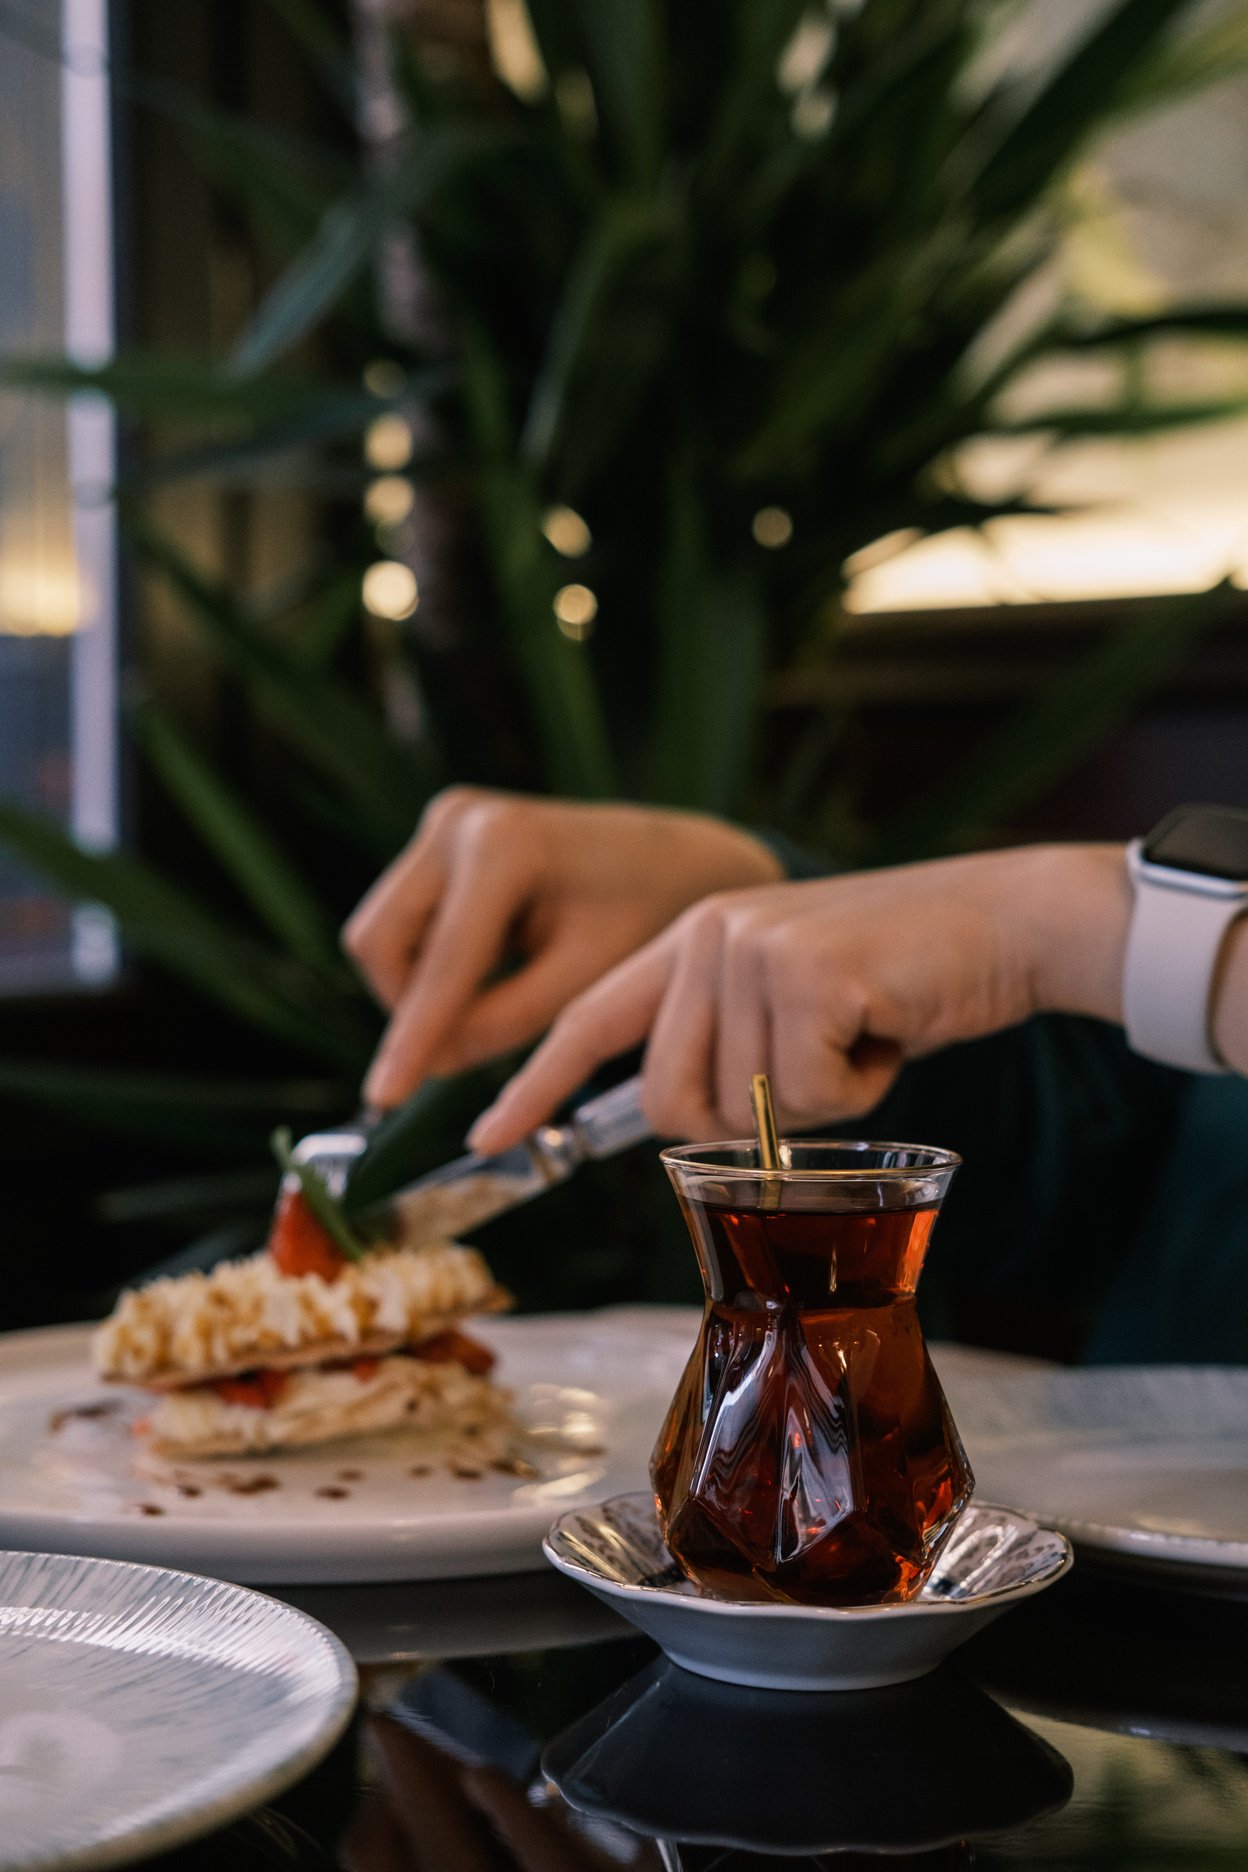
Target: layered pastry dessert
{"type": "Point", "coordinates": [314, 1338]}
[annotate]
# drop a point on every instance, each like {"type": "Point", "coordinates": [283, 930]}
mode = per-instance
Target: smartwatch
{"type": "Point", "coordinates": [1191, 882]}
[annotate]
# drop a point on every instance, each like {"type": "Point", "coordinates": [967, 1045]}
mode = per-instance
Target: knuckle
{"type": "Point", "coordinates": [449, 804]}
{"type": "Point", "coordinates": [702, 920]}
{"type": "Point", "coordinates": [489, 825]}
{"type": "Point", "coordinates": [354, 937]}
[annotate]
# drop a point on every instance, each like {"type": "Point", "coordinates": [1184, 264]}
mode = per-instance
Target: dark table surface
{"type": "Point", "coordinates": [513, 1723]}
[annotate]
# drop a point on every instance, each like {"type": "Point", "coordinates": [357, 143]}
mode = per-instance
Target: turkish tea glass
{"type": "Point", "coordinates": [809, 1454]}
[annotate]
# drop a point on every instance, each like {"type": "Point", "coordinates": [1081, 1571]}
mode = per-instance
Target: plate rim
{"type": "Point", "coordinates": [200, 1817]}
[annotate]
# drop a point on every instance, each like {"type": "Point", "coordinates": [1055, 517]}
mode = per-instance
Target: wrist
{"type": "Point", "coordinates": [1072, 907]}
{"type": "Point", "coordinates": [1228, 1022]}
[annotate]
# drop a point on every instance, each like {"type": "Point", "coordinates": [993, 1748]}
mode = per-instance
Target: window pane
{"type": "Point", "coordinates": [57, 601]}
{"type": "Point", "coordinates": [1158, 216]}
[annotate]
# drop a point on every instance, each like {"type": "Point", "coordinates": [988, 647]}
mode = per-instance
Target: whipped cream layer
{"type": "Point", "coordinates": [247, 1313]}
{"type": "Point", "coordinates": [315, 1406]}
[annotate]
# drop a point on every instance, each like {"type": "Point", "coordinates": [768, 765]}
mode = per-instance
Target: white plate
{"type": "Point", "coordinates": [600, 1382]}
{"type": "Point", "coordinates": [139, 1707]}
{"type": "Point", "coordinates": [993, 1559]}
{"type": "Point", "coordinates": [1139, 1465]}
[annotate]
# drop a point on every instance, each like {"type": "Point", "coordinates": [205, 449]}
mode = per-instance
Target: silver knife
{"type": "Point", "coordinates": [471, 1190]}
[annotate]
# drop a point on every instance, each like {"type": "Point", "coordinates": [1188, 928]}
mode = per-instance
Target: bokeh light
{"type": "Point", "coordinates": [390, 589]}
{"type": "Point", "coordinates": [567, 532]}
{"type": "Point", "coordinates": [576, 607]}
{"type": "Point", "coordinates": [389, 500]}
{"type": "Point", "coordinates": [772, 527]}
{"type": "Point", "coordinates": [388, 442]}
{"type": "Point", "coordinates": [385, 378]}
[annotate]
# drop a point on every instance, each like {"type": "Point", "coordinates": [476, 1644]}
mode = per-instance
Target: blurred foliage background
{"type": "Point", "coordinates": [599, 334]}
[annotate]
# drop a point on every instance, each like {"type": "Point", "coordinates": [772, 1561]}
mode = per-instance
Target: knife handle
{"type": "Point", "coordinates": [611, 1122]}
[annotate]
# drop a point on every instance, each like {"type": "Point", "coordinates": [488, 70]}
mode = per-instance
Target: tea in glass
{"type": "Point", "coordinates": [809, 1454]}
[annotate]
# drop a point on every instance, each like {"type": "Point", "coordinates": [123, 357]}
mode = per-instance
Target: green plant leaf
{"type": "Point", "coordinates": [161, 920]}
{"type": "Point", "coordinates": [208, 1115]}
{"type": "Point", "coordinates": [1123, 419]}
{"type": "Point", "coordinates": [711, 661]}
{"type": "Point", "coordinates": [202, 1195]}
{"type": "Point", "coordinates": [1047, 738]}
{"type": "Point", "coordinates": [327, 620]}
{"type": "Point", "coordinates": [558, 675]}
{"type": "Point", "coordinates": [281, 181]}
{"type": "Point", "coordinates": [176, 389]}
{"type": "Point", "coordinates": [1194, 62]}
{"type": "Point", "coordinates": [622, 42]}
{"type": "Point", "coordinates": [320, 717]}
{"type": "Point", "coordinates": [319, 36]}
{"type": "Point", "coordinates": [1228, 321]}
{"type": "Point", "coordinates": [261, 870]}
{"type": "Point", "coordinates": [347, 238]}
{"type": "Point", "coordinates": [613, 242]}
{"type": "Point", "coordinates": [750, 89]}
{"type": "Point", "coordinates": [1073, 105]}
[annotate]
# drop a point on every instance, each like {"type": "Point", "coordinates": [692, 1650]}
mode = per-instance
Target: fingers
{"type": "Point", "coordinates": [744, 1041]}
{"type": "Point", "coordinates": [678, 1079]}
{"type": "Point", "coordinates": [607, 1019]}
{"type": "Point", "coordinates": [464, 942]}
{"type": "Point", "coordinates": [384, 932]}
{"type": "Point", "coordinates": [827, 1064]}
{"type": "Point", "coordinates": [511, 1013]}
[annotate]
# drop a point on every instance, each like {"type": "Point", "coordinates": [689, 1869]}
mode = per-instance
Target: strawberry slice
{"type": "Point", "coordinates": [258, 1389]}
{"type": "Point", "coordinates": [456, 1348]}
{"type": "Point", "coordinates": [299, 1244]}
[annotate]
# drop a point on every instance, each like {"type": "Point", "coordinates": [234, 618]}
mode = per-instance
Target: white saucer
{"type": "Point", "coordinates": [994, 1558]}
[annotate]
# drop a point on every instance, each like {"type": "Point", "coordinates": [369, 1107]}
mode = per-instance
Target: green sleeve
{"type": "Point", "coordinates": [799, 864]}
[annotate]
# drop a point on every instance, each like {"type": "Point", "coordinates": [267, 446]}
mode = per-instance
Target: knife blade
{"type": "Point", "coordinates": [473, 1189]}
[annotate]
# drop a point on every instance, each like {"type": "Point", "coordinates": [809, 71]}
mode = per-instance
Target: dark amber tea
{"type": "Point", "coordinates": [809, 1453]}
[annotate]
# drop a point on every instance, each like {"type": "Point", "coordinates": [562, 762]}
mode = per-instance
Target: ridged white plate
{"type": "Point", "coordinates": [992, 1560]}
{"type": "Point", "coordinates": [140, 1707]}
{"type": "Point", "coordinates": [1143, 1466]}
{"type": "Point", "coordinates": [593, 1387]}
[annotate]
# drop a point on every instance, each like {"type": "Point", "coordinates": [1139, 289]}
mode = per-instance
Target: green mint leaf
{"type": "Point", "coordinates": [324, 1207]}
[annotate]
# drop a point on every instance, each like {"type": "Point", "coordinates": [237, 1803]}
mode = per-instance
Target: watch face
{"type": "Point", "coordinates": [1209, 839]}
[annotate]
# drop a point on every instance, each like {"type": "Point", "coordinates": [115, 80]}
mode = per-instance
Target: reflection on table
{"type": "Point", "coordinates": [501, 1733]}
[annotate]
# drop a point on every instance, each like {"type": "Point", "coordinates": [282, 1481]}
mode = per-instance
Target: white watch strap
{"type": "Point", "coordinates": [1177, 930]}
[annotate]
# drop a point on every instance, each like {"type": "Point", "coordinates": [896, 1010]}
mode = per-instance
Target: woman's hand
{"type": "Point", "coordinates": [489, 877]}
{"type": "Point", "coordinates": [831, 986]}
